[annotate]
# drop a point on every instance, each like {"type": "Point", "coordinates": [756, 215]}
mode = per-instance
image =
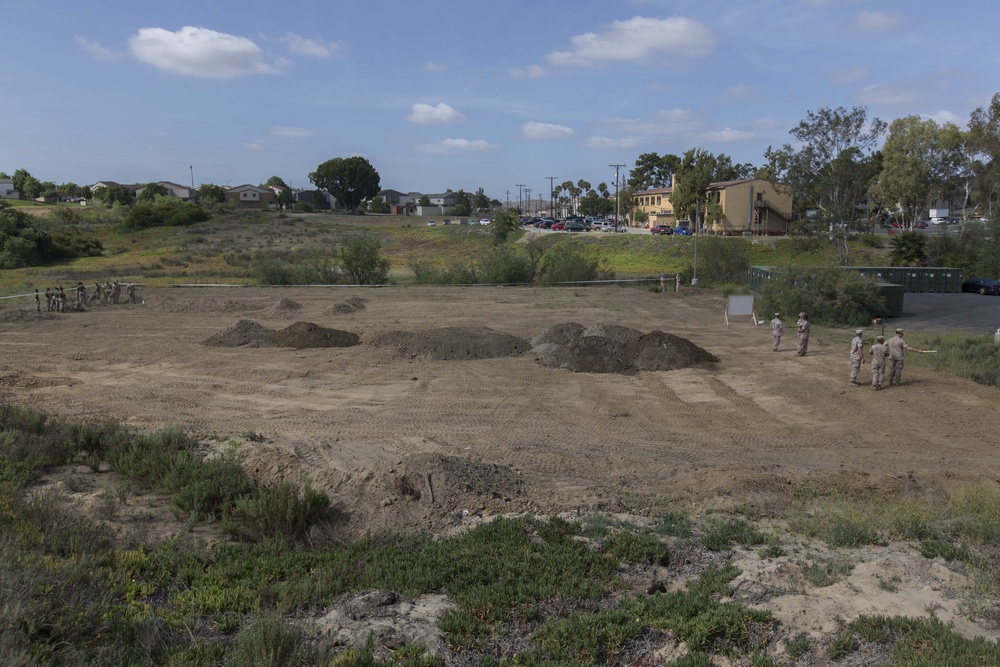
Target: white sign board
{"type": "Point", "coordinates": [740, 305]}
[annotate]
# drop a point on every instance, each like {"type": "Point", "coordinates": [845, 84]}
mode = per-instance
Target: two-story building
{"type": "Point", "coordinates": [751, 207]}
{"type": "Point", "coordinates": [7, 190]}
{"type": "Point", "coordinates": [182, 192]}
{"type": "Point", "coordinates": [251, 196]}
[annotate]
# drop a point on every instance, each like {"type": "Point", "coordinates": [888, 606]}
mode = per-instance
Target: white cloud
{"type": "Point", "coordinates": [636, 39]}
{"type": "Point", "coordinates": [943, 116]}
{"type": "Point", "coordinates": [199, 52]}
{"type": "Point", "coordinates": [254, 145]}
{"type": "Point", "coordinates": [891, 95]}
{"type": "Point", "coordinates": [535, 130]}
{"type": "Point", "coordinates": [728, 135]}
{"type": "Point", "coordinates": [877, 22]}
{"type": "Point", "coordinates": [457, 146]}
{"type": "Point", "coordinates": [289, 131]}
{"type": "Point", "coordinates": [664, 121]}
{"type": "Point", "coordinates": [434, 67]}
{"type": "Point", "coordinates": [740, 90]}
{"type": "Point", "coordinates": [529, 72]}
{"type": "Point", "coordinates": [765, 124]}
{"type": "Point", "coordinates": [847, 76]}
{"type": "Point", "coordinates": [609, 144]}
{"type": "Point", "coordinates": [425, 114]}
{"type": "Point", "coordinates": [313, 48]}
{"type": "Point", "coordinates": [96, 51]}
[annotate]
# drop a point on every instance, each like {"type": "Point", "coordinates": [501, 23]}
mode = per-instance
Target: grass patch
{"type": "Point", "coordinates": [723, 533]}
{"type": "Point", "coordinates": [924, 641]}
{"type": "Point", "coordinates": [822, 572]}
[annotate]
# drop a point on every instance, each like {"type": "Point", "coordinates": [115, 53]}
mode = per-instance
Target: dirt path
{"type": "Point", "coordinates": [409, 444]}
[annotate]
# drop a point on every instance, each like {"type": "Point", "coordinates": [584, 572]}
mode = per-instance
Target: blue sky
{"type": "Point", "coordinates": [446, 94]}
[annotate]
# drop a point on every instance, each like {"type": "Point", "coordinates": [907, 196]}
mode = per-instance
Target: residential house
{"type": "Point", "coordinates": [131, 187]}
{"type": "Point", "coordinates": [319, 199]}
{"type": "Point", "coordinates": [751, 207]}
{"type": "Point", "coordinates": [251, 196]}
{"type": "Point", "coordinates": [182, 192]}
{"type": "Point", "coordinates": [7, 190]}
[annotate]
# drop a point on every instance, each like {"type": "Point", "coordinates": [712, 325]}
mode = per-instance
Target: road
{"type": "Point", "coordinates": [942, 313]}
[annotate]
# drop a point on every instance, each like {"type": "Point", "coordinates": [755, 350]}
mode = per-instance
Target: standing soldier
{"type": "Point", "coordinates": [857, 355]}
{"type": "Point", "coordinates": [116, 291]}
{"type": "Point", "coordinates": [677, 283]}
{"type": "Point", "coordinates": [878, 352]}
{"type": "Point", "coordinates": [897, 348]}
{"type": "Point", "coordinates": [802, 327]}
{"type": "Point", "coordinates": [81, 294]}
{"type": "Point", "coordinates": [130, 291]}
{"type": "Point", "coordinates": [663, 283]}
{"type": "Point", "coordinates": [48, 298]}
{"type": "Point", "coordinates": [38, 302]}
{"type": "Point", "coordinates": [777, 329]}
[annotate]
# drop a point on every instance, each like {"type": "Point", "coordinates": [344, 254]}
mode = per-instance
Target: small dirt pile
{"type": "Point", "coordinates": [452, 343]}
{"type": "Point", "coordinates": [283, 309]}
{"type": "Point", "coordinates": [611, 348]}
{"type": "Point", "coordinates": [303, 335]}
{"type": "Point", "coordinates": [241, 333]}
{"type": "Point", "coordinates": [349, 306]}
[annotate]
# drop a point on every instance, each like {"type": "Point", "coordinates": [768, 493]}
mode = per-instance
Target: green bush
{"type": "Point", "coordinates": [279, 512]}
{"type": "Point", "coordinates": [21, 244]}
{"type": "Point", "coordinates": [626, 546]}
{"type": "Point", "coordinates": [308, 267]}
{"type": "Point", "coordinates": [165, 211]}
{"type": "Point", "coordinates": [722, 260]}
{"type": "Point", "coordinates": [830, 296]}
{"type": "Point", "coordinates": [458, 274]}
{"type": "Point", "coordinates": [565, 263]}
{"type": "Point", "coordinates": [361, 260]}
{"type": "Point", "coordinates": [870, 240]}
{"type": "Point", "coordinates": [505, 265]}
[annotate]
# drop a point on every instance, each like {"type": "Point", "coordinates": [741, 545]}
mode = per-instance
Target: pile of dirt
{"type": "Point", "coordinates": [349, 306]}
{"type": "Point", "coordinates": [452, 343]}
{"type": "Point", "coordinates": [242, 333]}
{"type": "Point", "coordinates": [612, 348]}
{"type": "Point", "coordinates": [659, 351]}
{"type": "Point", "coordinates": [283, 309]}
{"type": "Point", "coordinates": [303, 335]}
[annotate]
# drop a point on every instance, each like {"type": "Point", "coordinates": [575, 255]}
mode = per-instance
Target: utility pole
{"type": "Point", "coordinates": [527, 199]}
{"type": "Point", "coordinates": [552, 196]}
{"type": "Point", "coordinates": [618, 201]}
{"type": "Point", "coordinates": [191, 167]}
{"type": "Point", "coordinates": [519, 186]}
{"type": "Point", "coordinates": [508, 200]}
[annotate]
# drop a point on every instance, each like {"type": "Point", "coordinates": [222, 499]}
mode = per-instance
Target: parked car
{"type": "Point", "coordinates": [682, 231]}
{"type": "Point", "coordinates": [982, 285]}
{"type": "Point", "coordinates": [661, 229]}
{"type": "Point", "coordinates": [576, 226]}
{"type": "Point", "coordinates": [939, 221]}
{"type": "Point", "coordinates": [920, 224]}
{"type": "Point", "coordinates": [485, 221]}
{"type": "Point", "coordinates": [446, 221]}
{"type": "Point", "coordinates": [431, 223]}
{"type": "Point", "coordinates": [557, 226]}
{"type": "Point", "coordinates": [605, 226]}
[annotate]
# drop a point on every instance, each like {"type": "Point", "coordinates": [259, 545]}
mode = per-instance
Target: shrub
{"type": "Point", "coordinates": [626, 546]}
{"type": "Point", "coordinates": [459, 274]}
{"type": "Point", "coordinates": [299, 268]}
{"type": "Point", "coordinates": [268, 641]}
{"type": "Point", "coordinates": [505, 265]}
{"type": "Point", "coordinates": [279, 512]}
{"type": "Point", "coordinates": [361, 261]}
{"type": "Point", "coordinates": [830, 296]}
{"type": "Point", "coordinates": [870, 240]}
{"type": "Point", "coordinates": [564, 263]}
{"type": "Point", "coordinates": [722, 260]}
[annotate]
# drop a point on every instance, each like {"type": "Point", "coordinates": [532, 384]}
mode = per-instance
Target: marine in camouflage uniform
{"type": "Point", "coordinates": [857, 355]}
{"type": "Point", "coordinates": [897, 347]}
{"type": "Point", "coordinates": [777, 329]}
{"type": "Point", "coordinates": [802, 327]}
{"type": "Point", "coordinates": [878, 353]}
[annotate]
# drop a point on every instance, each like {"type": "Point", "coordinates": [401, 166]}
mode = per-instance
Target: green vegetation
{"type": "Point", "coordinates": [973, 357]}
{"type": "Point", "coordinates": [829, 296]}
{"type": "Point", "coordinates": [76, 591]}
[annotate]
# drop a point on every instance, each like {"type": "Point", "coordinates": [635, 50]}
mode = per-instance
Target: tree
{"type": "Point", "coordinates": [211, 193]}
{"type": "Point", "coordinates": [361, 260]}
{"type": "Point", "coordinates": [424, 201]}
{"type": "Point", "coordinates": [350, 180]}
{"type": "Point", "coordinates": [984, 147]}
{"type": "Point", "coordinates": [115, 194]}
{"type": "Point", "coordinates": [653, 171]}
{"type": "Point", "coordinates": [26, 184]}
{"type": "Point", "coordinates": [908, 249]}
{"type": "Point", "coordinates": [379, 205]}
{"type": "Point", "coordinates": [831, 171]}
{"type": "Point", "coordinates": [480, 202]}
{"type": "Point", "coordinates": [695, 173]}
{"type": "Point", "coordinates": [151, 192]}
{"type": "Point", "coordinates": [20, 243]}
{"type": "Point", "coordinates": [283, 194]}
{"type": "Point", "coordinates": [504, 224]}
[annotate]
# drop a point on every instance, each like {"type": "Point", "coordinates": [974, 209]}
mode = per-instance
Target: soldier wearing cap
{"type": "Point", "coordinates": [897, 348]}
{"type": "Point", "coordinates": [802, 327]}
{"type": "Point", "coordinates": [878, 353]}
{"type": "Point", "coordinates": [777, 328]}
{"type": "Point", "coordinates": [857, 355]}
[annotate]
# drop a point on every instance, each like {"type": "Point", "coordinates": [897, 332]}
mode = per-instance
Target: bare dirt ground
{"type": "Point", "coordinates": [403, 441]}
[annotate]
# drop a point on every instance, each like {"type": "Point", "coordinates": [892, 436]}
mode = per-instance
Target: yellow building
{"type": "Point", "coordinates": [733, 207]}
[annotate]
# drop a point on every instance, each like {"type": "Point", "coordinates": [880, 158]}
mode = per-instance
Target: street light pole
{"type": "Point", "coordinates": [618, 201]}
{"type": "Point", "coordinates": [552, 197]}
{"type": "Point", "coordinates": [520, 210]}
{"type": "Point", "coordinates": [694, 276]}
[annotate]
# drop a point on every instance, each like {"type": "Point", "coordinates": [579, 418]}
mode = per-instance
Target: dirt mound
{"type": "Point", "coordinates": [284, 308]}
{"type": "Point", "coordinates": [589, 354]}
{"type": "Point", "coordinates": [659, 351]}
{"type": "Point", "coordinates": [306, 334]}
{"type": "Point", "coordinates": [349, 306]}
{"type": "Point", "coordinates": [559, 334]}
{"type": "Point", "coordinates": [239, 334]}
{"type": "Point", "coordinates": [615, 332]}
{"type": "Point", "coordinates": [452, 343]}
{"type": "Point", "coordinates": [611, 348]}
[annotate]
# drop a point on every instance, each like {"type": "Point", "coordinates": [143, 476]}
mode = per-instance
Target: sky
{"type": "Point", "coordinates": [439, 94]}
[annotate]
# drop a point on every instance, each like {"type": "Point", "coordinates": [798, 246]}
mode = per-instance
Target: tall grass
{"type": "Point", "coordinates": [973, 357]}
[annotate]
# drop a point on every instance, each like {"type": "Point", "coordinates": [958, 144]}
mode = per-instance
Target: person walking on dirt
{"type": "Point", "coordinates": [878, 353]}
{"type": "Point", "coordinates": [38, 302]}
{"type": "Point", "coordinates": [116, 291]}
{"type": "Point", "coordinates": [897, 348]}
{"type": "Point", "coordinates": [98, 293]}
{"type": "Point", "coordinates": [777, 329]}
{"type": "Point", "coordinates": [130, 292]}
{"type": "Point", "coordinates": [857, 355]}
{"type": "Point", "coordinates": [802, 327]}
{"type": "Point", "coordinates": [81, 294]}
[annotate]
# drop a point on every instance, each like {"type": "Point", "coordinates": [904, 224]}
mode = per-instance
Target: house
{"type": "Point", "coordinates": [7, 190]}
{"type": "Point", "coordinates": [319, 199]}
{"type": "Point", "coordinates": [750, 206]}
{"type": "Point", "coordinates": [251, 196]}
{"type": "Point", "coordinates": [182, 192]}
{"type": "Point", "coordinates": [131, 187]}
{"type": "Point", "coordinates": [443, 200]}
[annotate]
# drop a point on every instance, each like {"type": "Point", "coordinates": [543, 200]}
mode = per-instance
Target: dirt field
{"type": "Point", "coordinates": [422, 427]}
{"type": "Point", "coordinates": [402, 441]}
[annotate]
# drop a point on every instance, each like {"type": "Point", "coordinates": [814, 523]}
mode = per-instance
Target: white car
{"type": "Point", "coordinates": [939, 221]}
{"type": "Point", "coordinates": [431, 223]}
{"type": "Point", "coordinates": [485, 221]}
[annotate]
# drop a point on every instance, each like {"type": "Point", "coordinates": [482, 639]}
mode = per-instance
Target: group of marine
{"type": "Point", "coordinates": [892, 350]}
{"type": "Point", "coordinates": [106, 292]}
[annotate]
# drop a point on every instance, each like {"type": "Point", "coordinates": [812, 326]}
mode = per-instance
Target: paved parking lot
{"type": "Point", "coordinates": [942, 313]}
